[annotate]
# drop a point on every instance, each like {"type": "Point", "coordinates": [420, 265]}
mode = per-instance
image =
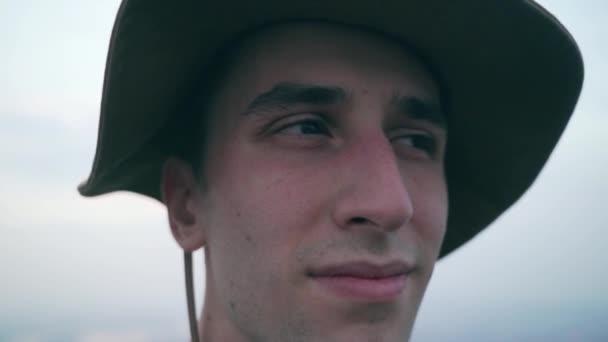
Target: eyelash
{"type": "Point", "coordinates": [421, 141]}
{"type": "Point", "coordinates": [319, 123]}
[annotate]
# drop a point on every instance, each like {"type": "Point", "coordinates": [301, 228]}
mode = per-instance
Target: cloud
{"type": "Point", "coordinates": [50, 205]}
{"type": "Point", "coordinates": [43, 161]}
{"type": "Point", "coordinates": [27, 337]}
{"type": "Point", "coordinates": [49, 68]}
{"type": "Point", "coordinates": [103, 336]}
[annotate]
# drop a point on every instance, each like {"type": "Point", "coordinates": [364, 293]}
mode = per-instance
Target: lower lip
{"type": "Point", "coordinates": [367, 289]}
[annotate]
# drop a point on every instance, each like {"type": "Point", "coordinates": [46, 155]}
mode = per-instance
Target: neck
{"type": "Point", "coordinates": [214, 325]}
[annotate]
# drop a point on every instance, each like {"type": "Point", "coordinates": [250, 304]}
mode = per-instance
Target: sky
{"type": "Point", "coordinates": [107, 269]}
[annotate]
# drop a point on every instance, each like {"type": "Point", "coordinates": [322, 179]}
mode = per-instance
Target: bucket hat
{"type": "Point", "coordinates": [512, 74]}
{"type": "Point", "coordinates": [511, 71]}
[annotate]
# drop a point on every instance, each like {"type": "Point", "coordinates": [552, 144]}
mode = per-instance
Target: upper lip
{"type": "Point", "coordinates": [362, 269]}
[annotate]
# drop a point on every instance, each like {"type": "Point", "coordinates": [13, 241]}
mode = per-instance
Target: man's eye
{"type": "Point", "coordinates": [421, 142]}
{"type": "Point", "coordinates": [305, 127]}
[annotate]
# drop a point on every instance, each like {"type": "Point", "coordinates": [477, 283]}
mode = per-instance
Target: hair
{"type": "Point", "coordinates": [184, 135]}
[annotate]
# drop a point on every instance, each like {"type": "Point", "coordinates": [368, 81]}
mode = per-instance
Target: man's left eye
{"type": "Point", "coordinates": [305, 127]}
{"type": "Point", "coordinates": [418, 141]}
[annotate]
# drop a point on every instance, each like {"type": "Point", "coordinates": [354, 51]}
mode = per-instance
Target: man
{"type": "Point", "coordinates": [325, 155]}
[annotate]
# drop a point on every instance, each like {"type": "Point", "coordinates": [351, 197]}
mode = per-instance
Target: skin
{"type": "Point", "coordinates": [286, 189]}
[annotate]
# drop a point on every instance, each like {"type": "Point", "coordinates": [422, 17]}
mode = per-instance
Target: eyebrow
{"type": "Point", "coordinates": [419, 109]}
{"type": "Point", "coordinates": [287, 94]}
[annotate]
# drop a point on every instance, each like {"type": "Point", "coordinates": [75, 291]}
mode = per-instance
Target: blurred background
{"type": "Point", "coordinates": [107, 269]}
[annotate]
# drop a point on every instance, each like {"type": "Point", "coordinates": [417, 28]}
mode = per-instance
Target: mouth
{"type": "Point", "coordinates": [364, 281]}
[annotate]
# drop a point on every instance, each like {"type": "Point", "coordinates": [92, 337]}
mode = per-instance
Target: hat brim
{"type": "Point", "coordinates": [512, 72]}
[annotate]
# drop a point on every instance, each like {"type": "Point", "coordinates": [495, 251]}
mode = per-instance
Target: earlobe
{"type": "Point", "coordinates": [182, 197]}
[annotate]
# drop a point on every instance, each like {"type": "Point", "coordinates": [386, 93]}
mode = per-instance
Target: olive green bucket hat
{"type": "Point", "coordinates": [511, 74]}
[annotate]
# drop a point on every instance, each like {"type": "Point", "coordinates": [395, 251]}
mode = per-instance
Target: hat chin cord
{"type": "Point", "coordinates": [190, 297]}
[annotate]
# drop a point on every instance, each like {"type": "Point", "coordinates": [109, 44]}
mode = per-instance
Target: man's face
{"type": "Point", "coordinates": [324, 202]}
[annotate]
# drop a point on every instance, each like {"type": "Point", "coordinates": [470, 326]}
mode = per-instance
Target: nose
{"type": "Point", "coordinates": [372, 190]}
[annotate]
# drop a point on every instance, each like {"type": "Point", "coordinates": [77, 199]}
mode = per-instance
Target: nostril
{"type": "Point", "coordinates": [358, 220]}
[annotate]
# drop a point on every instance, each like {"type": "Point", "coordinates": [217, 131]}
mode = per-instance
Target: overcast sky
{"type": "Point", "coordinates": [107, 269]}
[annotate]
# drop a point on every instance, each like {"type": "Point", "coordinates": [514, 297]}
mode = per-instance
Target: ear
{"type": "Point", "coordinates": [183, 198]}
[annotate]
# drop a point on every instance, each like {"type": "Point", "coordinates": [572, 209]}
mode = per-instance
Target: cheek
{"type": "Point", "coordinates": [260, 205]}
{"type": "Point", "coordinates": [260, 212]}
{"type": "Point", "coordinates": [430, 200]}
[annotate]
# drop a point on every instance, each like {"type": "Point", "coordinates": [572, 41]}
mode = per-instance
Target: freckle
{"type": "Point", "coordinates": [248, 237]}
{"type": "Point", "coordinates": [232, 306]}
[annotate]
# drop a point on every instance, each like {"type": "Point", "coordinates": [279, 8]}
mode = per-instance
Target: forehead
{"type": "Point", "coordinates": [320, 53]}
